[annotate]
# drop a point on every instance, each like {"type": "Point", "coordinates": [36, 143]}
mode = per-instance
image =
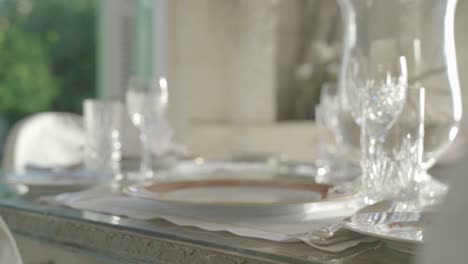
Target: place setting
{"type": "Point", "coordinates": [387, 198]}
{"type": "Point", "coordinates": [380, 129]}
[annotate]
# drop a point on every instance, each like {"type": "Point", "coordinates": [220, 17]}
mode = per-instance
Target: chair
{"type": "Point", "coordinates": [49, 139]}
{"type": "Point", "coordinates": [9, 252]}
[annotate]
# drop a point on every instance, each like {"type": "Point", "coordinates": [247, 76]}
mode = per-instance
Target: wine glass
{"type": "Point", "coordinates": [382, 93]}
{"type": "Point", "coordinates": [381, 90]}
{"type": "Point", "coordinates": [146, 100]}
{"type": "Point", "coordinates": [422, 32]}
{"type": "Point", "coordinates": [396, 165]}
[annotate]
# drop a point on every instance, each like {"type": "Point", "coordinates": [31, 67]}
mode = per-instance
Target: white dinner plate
{"type": "Point", "coordinates": [239, 197]}
{"type": "Point", "coordinates": [402, 231]}
{"type": "Point", "coordinates": [200, 168]}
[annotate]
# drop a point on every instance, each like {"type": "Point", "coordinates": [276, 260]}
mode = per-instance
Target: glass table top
{"type": "Point", "coordinates": [107, 234]}
{"type": "Point", "coordinates": [126, 240]}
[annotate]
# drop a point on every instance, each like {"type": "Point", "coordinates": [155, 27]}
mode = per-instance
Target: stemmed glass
{"type": "Point", "coordinates": [423, 32]}
{"type": "Point", "coordinates": [406, 144]}
{"type": "Point", "coordinates": [378, 89]}
{"type": "Point", "coordinates": [389, 45]}
{"type": "Point", "coordinates": [146, 100]}
{"type": "Point", "coordinates": [395, 167]}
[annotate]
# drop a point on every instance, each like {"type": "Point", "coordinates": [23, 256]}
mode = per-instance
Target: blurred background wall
{"type": "Point", "coordinates": [243, 75]}
{"type": "Point", "coordinates": [263, 79]}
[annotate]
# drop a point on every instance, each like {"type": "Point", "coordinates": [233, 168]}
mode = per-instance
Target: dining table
{"type": "Point", "coordinates": [54, 234]}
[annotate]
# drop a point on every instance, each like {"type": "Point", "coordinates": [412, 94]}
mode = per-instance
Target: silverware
{"type": "Point", "coordinates": [336, 233]}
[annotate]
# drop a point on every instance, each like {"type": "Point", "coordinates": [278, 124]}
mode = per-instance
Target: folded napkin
{"type": "Point", "coordinates": [289, 228]}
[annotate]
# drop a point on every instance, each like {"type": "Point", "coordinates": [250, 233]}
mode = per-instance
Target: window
{"type": "Point", "coordinates": [47, 57]}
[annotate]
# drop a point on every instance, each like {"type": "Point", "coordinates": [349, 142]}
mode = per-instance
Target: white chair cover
{"type": "Point", "coordinates": [50, 139]}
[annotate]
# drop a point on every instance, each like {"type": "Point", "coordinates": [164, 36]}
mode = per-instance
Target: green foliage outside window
{"type": "Point", "coordinates": [26, 82]}
{"type": "Point", "coordinates": [47, 61]}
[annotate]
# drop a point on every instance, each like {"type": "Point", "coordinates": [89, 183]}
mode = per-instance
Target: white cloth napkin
{"type": "Point", "coordinates": [281, 228]}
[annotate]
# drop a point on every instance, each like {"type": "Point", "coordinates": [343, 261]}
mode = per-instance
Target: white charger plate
{"type": "Point", "coordinates": [402, 231]}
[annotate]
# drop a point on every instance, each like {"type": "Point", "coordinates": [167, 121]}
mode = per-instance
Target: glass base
{"type": "Point", "coordinates": [423, 195]}
{"type": "Point", "coordinates": [432, 192]}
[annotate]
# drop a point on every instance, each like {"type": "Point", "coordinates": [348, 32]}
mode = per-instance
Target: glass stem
{"type": "Point", "coordinates": [364, 157]}
{"type": "Point", "coordinates": [146, 162]}
{"type": "Point", "coordinates": [369, 145]}
{"type": "Point", "coordinates": [116, 157]}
